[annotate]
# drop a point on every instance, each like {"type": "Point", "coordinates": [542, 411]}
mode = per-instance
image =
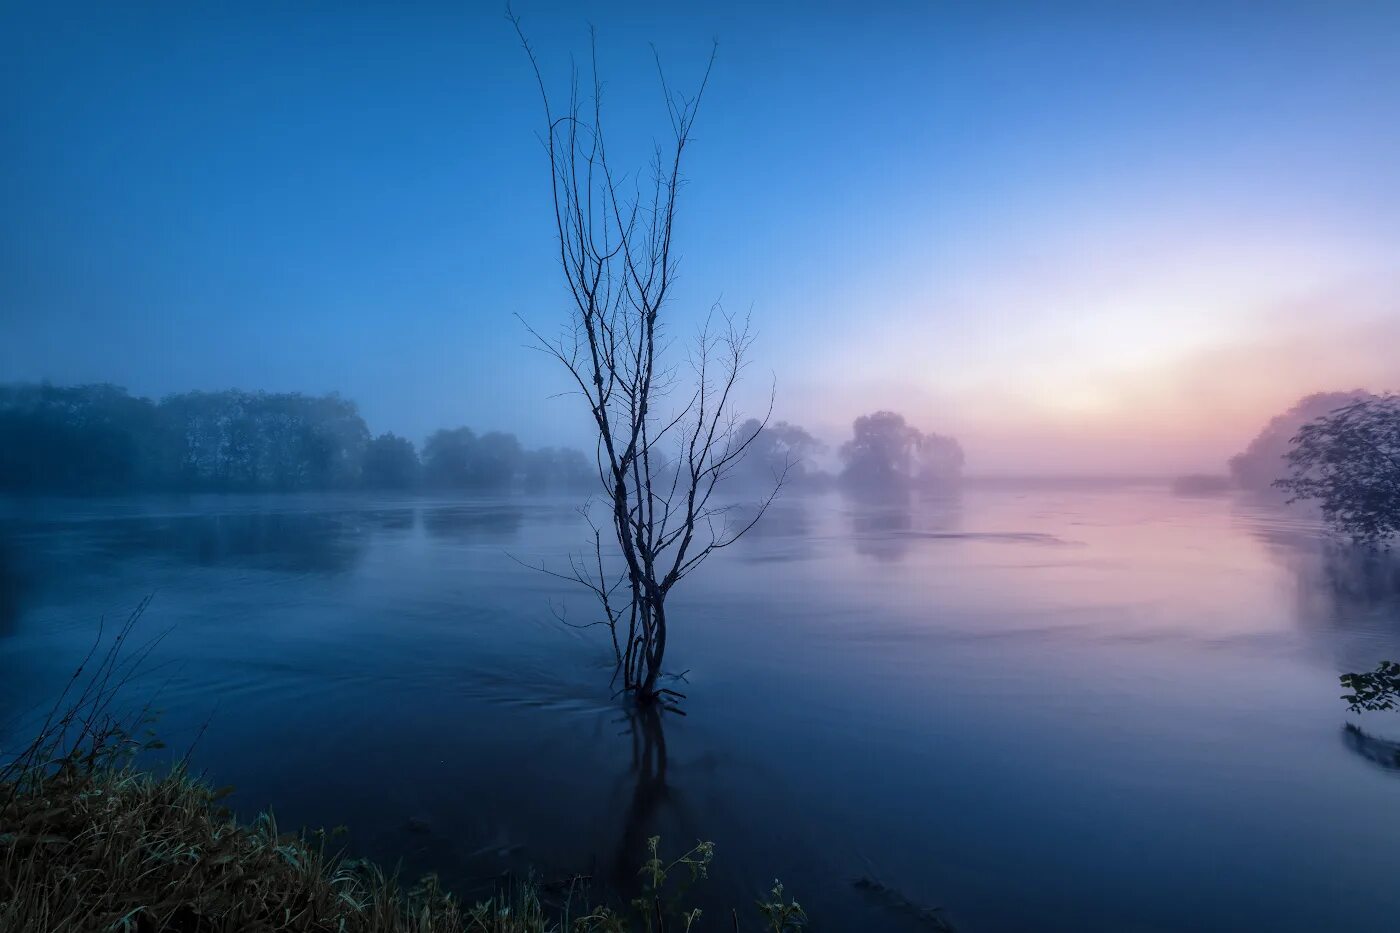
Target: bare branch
{"type": "Point", "coordinates": [615, 238]}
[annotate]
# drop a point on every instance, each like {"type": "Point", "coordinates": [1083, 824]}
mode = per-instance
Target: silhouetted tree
{"type": "Point", "coordinates": [99, 439]}
{"type": "Point", "coordinates": [91, 438]}
{"type": "Point", "coordinates": [447, 457]}
{"type": "Point", "coordinates": [1349, 461]}
{"type": "Point", "coordinates": [1374, 690]}
{"type": "Point", "coordinates": [885, 454]}
{"type": "Point", "coordinates": [558, 468]}
{"type": "Point", "coordinates": [938, 461]}
{"type": "Point", "coordinates": [776, 450]}
{"type": "Point", "coordinates": [331, 437]}
{"type": "Point", "coordinates": [615, 247]}
{"type": "Point", "coordinates": [390, 463]}
{"type": "Point", "coordinates": [263, 441]}
{"type": "Point", "coordinates": [880, 452]}
{"type": "Point", "coordinates": [1262, 462]}
{"type": "Point", "coordinates": [497, 461]}
{"type": "Point", "coordinates": [460, 459]}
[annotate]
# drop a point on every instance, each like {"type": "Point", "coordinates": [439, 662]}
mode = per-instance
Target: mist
{"type": "Point", "coordinates": [376, 233]}
{"type": "Point", "coordinates": [605, 457]}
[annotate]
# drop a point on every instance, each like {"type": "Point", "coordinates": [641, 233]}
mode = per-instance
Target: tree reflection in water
{"type": "Point", "coordinates": [883, 523]}
{"type": "Point", "coordinates": [650, 793]}
{"type": "Point", "coordinates": [1383, 753]}
{"type": "Point", "coordinates": [1345, 597]}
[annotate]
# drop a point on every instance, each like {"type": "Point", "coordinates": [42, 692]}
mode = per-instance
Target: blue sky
{"type": "Point", "coordinates": [1076, 235]}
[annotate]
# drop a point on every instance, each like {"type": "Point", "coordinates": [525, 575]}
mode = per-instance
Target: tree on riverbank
{"type": "Point", "coordinates": [886, 454]}
{"type": "Point", "coordinates": [659, 462]}
{"type": "Point", "coordinates": [1348, 461]}
{"type": "Point", "coordinates": [390, 463]}
{"type": "Point", "coordinates": [1264, 461]}
{"type": "Point", "coordinates": [100, 440]}
{"type": "Point", "coordinates": [779, 449]}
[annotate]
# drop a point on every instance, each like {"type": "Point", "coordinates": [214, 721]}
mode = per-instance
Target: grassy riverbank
{"type": "Point", "coordinates": [88, 843]}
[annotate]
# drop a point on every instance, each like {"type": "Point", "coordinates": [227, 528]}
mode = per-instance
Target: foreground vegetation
{"type": "Point", "coordinates": [90, 842]}
{"type": "Point", "coordinates": [89, 846]}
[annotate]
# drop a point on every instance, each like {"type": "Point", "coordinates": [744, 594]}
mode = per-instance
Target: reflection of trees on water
{"type": "Point", "coordinates": [784, 533]}
{"type": "Point", "coordinates": [789, 517]}
{"type": "Point", "coordinates": [649, 791]}
{"type": "Point", "coordinates": [1383, 753]}
{"type": "Point", "coordinates": [296, 542]}
{"type": "Point", "coordinates": [398, 519]}
{"type": "Point", "coordinates": [1347, 600]}
{"type": "Point", "coordinates": [293, 542]}
{"type": "Point", "coordinates": [651, 795]}
{"type": "Point", "coordinates": [879, 528]}
{"type": "Point", "coordinates": [315, 540]}
{"type": "Point", "coordinates": [496, 522]}
{"type": "Point", "coordinates": [1348, 595]}
{"type": "Point", "coordinates": [885, 524]}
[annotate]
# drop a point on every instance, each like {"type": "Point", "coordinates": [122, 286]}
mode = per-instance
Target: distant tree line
{"type": "Point", "coordinates": [1339, 450]}
{"type": "Point", "coordinates": [885, 455]}
{"type": "Point", "coordinates": [1261, 464]}
{"type": "Point", "coordinates": [101, 439]}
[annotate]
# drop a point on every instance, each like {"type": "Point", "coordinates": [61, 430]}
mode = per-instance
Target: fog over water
{"type": "Point", "coordinates": [314, 332]}
{"type": "Point", "coordinates": [1057, 707]}
{"type": "Point", "coordinates": [1086, 239]}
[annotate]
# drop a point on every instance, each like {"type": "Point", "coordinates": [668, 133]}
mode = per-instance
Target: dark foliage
{"type": "Point", "coordinates": [460, 459]}
{"type": "Point", "coordinates": [98, 439]}
{"type": "Point", "coordinates": [390, 463]}
{"type": "Point", "coordinates": [1349, 462]}
{"type": "Point", "coordinates": [886, 453]}
{"type": "Point", "coordinates": [1373, 690]}
{"type": "Point", "coordinates": [260, 441]}
{"type": "Point", "coordinates": [74, 437]}
{"type": "Point", "coordinates": [776, 450]}
{"type": "Point", "coordinates": [558, 468]}
{"type": "Point", "coordinates": [1262, 463]}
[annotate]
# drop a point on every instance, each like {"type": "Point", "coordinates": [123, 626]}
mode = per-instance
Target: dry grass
{"type": "Point", "coordinates": [90, 846]}
{"type": "Point", "coordinates": [120, 850]}
{"type": "Point", "coordinates": [90, 843]}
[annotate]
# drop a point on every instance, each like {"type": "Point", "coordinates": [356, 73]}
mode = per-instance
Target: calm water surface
{"type": "Point", "coordinates": [1038, 708]}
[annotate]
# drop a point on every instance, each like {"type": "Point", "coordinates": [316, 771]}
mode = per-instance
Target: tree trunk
{"type": "Point", "coordinates": [647, 692]}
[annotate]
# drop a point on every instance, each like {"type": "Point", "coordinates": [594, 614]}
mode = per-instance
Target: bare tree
{"type": "Point", "coordinates": [666, 430]}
